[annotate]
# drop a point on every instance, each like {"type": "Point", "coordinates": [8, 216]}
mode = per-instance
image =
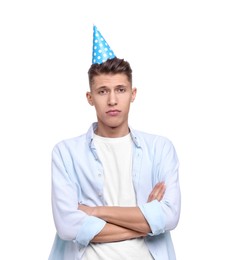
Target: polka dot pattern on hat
{"type": "Point", "coordinates": [101, 49]}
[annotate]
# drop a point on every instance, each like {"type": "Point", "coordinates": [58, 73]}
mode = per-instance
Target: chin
{"type": "Point", "coordinates": [113, 123]}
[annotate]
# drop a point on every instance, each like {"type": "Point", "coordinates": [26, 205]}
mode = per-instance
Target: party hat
{"type": "Point", "coordinates": [101, 49]}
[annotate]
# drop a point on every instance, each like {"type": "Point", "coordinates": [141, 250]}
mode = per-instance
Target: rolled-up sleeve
{"type": "Point", "coordinates": [153, 213]}
{"type": "Point", "coordinates": [89, 229]}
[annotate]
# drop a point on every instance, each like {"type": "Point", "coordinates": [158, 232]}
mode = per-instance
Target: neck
{"type": "Point", "coordinates": [112, 132]}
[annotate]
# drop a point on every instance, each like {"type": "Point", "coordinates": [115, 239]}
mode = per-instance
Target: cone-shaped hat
{"type": "Point", "coordinates": [101, 49]}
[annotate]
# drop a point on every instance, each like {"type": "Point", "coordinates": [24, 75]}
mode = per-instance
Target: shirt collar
{"type": "Point", "coordinates": [90, 134]}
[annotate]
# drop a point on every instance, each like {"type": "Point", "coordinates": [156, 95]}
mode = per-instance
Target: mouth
{"type": "Point", "coordinates": [113, 112]}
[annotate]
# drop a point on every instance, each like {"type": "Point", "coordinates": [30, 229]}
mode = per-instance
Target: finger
{"type": "Point", "coordinates": [157, 192]}
{"type": "Point", "coordinates": [160, 193]}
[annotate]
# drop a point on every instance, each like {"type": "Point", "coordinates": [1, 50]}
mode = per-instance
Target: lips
{"type": "Point", "coordinates": [114, 112]}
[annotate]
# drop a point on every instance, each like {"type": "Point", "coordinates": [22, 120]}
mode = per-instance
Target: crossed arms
{"type": "Point", "coordinates": [123, 223]}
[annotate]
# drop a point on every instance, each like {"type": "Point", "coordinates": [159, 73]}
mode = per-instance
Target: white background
{"type": "Point", "coordinates": [180, 55]}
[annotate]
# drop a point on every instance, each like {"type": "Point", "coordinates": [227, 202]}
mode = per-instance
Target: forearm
{"type": "Point", "coordinates": [114, 233]}
{"type": "Point", "coordinates": [127, 217]}
{"type": "Point", "coordinates": [130, 218]}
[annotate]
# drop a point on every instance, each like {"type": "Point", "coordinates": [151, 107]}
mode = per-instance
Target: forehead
{"type": "Point", "coordinates": [110, 80]}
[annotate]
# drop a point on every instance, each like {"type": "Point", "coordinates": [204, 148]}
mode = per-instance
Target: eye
{"type": "Point", "coordinates": [102, 92]}
{"type": "Point", "coordinates": [121, 90]}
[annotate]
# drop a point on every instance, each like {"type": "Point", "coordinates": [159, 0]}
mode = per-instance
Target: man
{"type": "Point", "coordinates": [115, 190]}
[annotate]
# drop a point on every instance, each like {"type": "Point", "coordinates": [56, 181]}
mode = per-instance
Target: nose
{"type": "Point", "coordinates": [112, 99]}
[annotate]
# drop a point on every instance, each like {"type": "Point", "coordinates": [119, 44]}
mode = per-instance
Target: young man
{"type": "Point", "coordinates": [115, 190]}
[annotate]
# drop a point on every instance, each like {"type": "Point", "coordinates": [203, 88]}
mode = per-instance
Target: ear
{"type": "Point", "coordinates": [89, 98]}
{"type": "Point", "coordinates": [134, 92]}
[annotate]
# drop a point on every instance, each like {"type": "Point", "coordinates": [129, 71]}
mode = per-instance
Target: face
{"type": "Point", "coordinates": [111, 96]}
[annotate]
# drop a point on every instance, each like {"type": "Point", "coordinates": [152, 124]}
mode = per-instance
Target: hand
{"type": "Point", "coordinates": [158, 192]}
{"type": "Point", "coordinates": [87, 209]}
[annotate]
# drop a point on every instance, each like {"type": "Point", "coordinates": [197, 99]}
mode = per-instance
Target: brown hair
{"type": "Point", "coordinates": [110, 66]}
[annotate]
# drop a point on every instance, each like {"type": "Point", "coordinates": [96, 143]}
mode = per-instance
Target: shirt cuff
{"type": "Point", "coordinates": [153, 214]}
{"type": "Point", "coordinates": [90, 228]}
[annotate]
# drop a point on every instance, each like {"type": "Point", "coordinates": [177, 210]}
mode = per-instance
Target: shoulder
{"type": "Point", "coordinates": [78, 141]}
{"type": "Point", "coordinates": [157, 146]}
{"type": "Point", "coordinates": [151, 139]}
{"type": "Point", "coordinates": [70, 143]}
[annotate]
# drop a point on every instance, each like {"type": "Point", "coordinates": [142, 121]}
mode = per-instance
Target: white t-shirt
{"type": "Point", "coordinates": [116, 157]}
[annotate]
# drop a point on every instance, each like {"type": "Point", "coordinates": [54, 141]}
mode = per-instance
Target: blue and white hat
{"type": "Point", "coordinates": [101, 49]}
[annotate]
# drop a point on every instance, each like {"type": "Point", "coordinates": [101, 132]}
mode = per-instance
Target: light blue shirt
{"type": "Point", "coordinates": [77, 177]}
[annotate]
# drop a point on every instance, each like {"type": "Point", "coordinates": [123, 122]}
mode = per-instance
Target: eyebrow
{"type": "Point", "coordinates": [102, 87]}
{"type": "Point", "coordinates": [117, 86]}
